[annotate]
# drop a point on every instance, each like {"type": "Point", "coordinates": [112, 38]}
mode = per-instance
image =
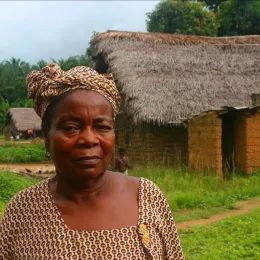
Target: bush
{"type": "Point", "coordinates": [23, 153]}
{"type": "Point", "coordinates": [187, 190]}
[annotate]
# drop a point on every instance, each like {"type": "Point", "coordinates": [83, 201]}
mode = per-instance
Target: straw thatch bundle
{"type": "Point", "coordinates": [24, 119]}
{"type": "Point", "coordinates": [166, 78]}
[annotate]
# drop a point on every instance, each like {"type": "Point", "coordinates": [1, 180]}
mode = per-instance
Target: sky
{"type": "Point", "coordinates": [35, 30]}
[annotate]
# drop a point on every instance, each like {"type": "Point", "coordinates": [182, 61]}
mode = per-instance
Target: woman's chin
{"type": "Point", "coordinates": [89, 173]}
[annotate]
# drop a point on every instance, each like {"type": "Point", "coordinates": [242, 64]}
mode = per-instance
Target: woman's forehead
{"type": "Point", "coordinates": [80, 102]}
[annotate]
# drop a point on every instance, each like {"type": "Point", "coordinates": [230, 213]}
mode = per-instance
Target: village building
{"type": "Point", "coordinates": [21, 120]}
{"type": "Point", "coordinates": [164, 80]}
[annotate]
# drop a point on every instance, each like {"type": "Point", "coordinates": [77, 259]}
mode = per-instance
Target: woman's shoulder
{"type": "Point", "coordinates": [122, 180]}
{"type": "Point", "coordinates": [144, 184]}
{"type": "Point", "coordinates": [31, 194]}
{"type": "Point", "coordinates": [150, 190]}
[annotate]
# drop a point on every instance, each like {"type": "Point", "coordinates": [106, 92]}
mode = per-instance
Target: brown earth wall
{"type": "Point", "coordinates": [247, 142]}
{"type": "Point", "coordinates": [240, 142]}
{"type": "Point", "coordinates": [154, 145]}
{"type": "Point", "coordinates": [253, 143]}
{"type": "Point", "coordinates": [204, 148]}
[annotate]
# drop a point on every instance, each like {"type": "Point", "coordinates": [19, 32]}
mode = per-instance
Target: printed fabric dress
{"type": "Point", "coordinates": [32, 228]}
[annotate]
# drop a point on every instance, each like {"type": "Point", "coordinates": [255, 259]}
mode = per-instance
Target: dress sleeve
{"type": "Point", "coordinates": [6, 233]}
{"type": "Point", "coordinates": [168, 230]}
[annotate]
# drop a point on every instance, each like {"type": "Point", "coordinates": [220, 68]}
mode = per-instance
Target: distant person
{"type": "Point", "coordinates": [33, 133]}
{"type": "Point", "coordinates": [13, 132]}
{"type": "Point", "coordinates": [29, 133]}
{"type": "Point", "coordinates": [122, 162]}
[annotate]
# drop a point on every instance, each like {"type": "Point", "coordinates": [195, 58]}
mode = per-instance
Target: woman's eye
{"type": "Point", "coordinates": [103, 127]}
{"type": "Point", "coordinates": [70, 128]}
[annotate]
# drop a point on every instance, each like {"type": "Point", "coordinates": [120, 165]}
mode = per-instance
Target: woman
{"type": "Point", "coordinates": [85, 211]}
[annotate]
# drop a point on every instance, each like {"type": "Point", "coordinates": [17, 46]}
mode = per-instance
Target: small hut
{"type": "Point", "coordinates": [224, 139]}
{"type": "Point", "coordinates": [165, 79]}
{"type": "Point", "coordinates": [22, 120]}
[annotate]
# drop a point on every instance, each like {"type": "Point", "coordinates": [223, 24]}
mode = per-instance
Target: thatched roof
{"type": "Point", "coordinates": [24, 119]}
{"type": "Point", "coordinates": [165, 78]}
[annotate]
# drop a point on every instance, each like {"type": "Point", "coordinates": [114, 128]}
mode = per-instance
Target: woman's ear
{"type": "Point", "coordinates": [46, 142]}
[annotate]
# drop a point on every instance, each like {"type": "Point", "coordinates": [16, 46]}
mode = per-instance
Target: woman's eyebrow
{"type": "Point", "coordinates": [69, 118]}
{"type": "Point", "coordinates": [103, 119]}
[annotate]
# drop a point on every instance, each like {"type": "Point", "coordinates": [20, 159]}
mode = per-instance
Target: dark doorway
{"type": "Point", "coordinates": [228, 140]}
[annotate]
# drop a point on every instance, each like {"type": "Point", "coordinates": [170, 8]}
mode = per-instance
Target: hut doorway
{"type": "Point", "coordinates": [228, 143]}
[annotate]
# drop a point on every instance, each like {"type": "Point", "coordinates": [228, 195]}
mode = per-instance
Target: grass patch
{"type": "Point", "coordinates": [232, 238]}
{"type": "Point", "coordinates": [22, 153]}
{"type": "Point", "coordinates": [204, 213]}
{"type": "Point", "coordinates": [185, 190]}
{"type": "Point", "coordinates": [10, 184]}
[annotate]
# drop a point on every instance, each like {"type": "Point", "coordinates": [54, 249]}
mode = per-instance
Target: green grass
{"type": "Point", "coordinates": [185, 190]}
{"type": "Point", "coordinates": [10, 184]}
{"type": "Point", "coordinates": [22, 153]}
{"type": "Point", "coordinates": [202, 213]}
{"type": "Point", "coordinates": [232, 238]}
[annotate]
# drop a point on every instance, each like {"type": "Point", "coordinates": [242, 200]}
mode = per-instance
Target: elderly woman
{"type": "Point", "coordinates": [85, 211]}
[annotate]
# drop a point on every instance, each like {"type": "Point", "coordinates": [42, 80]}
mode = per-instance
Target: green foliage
{"type": "Point", "coordinates": [22, 153]}
{"type": "Point", "coordinates": [186, 190]}
{"type": "Point", "coordinates": [239, 17]}
{"type": "Point", "coordinates": [212, 4]}
{"type": "Point", "coordinates": [4, 106]}
{"type": "Point", "coordinates": [201, 213]}
{"type": "Point", "coordinates": [180, 17]}
{"type": "Point", "coordinates": [10, 184]}
{"type": "Point", "coordinates": [13, 77]}
{"type": "Point", "coordinates": [232, 238]}
{"type": "Point", "coordinates": [73, 61]}
{"type": "Point", "coordinates": [89, 51]}
{"type": "Point", "coordinates": [22, 103]}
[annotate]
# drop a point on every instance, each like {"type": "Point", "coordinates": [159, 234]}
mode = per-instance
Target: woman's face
{"type": "Point", "coordinates": [81, 137]}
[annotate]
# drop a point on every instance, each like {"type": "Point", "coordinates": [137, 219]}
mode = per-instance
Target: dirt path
{"type": "Point", "coordinates": [23, 166]}
{"type": "Point", "coordinates": [244, 207]}
{"type": "Point", "coordinates": [29, 168]}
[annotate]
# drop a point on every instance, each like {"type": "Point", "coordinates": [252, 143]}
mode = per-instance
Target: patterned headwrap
{"type": "Point", "coordinates": [43, 86]}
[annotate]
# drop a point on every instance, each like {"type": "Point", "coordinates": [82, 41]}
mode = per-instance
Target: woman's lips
{"type": "Point", "coordinates": [88, 161]}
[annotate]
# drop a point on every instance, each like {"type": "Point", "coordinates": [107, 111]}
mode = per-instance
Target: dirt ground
{"type": "Point", "coordinates": [242, 206]}
{"type": "Point", "coordinates": [22, 166]}
{"type": "Point", "coordinates": [29, 168]}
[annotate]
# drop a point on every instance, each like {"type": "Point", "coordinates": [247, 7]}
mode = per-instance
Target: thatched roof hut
{"type": "Point", "coordinates": [167, 78]}
{"type": "Point", "coordinates": [24, 119]}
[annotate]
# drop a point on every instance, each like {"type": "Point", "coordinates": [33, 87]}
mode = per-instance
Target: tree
{"type": "Point", "coordinates": [238, 17]}
{"type": "Point", "coordinates": [89, 51]}
{"type": "Point", "coordinates": [39, 65]}
{"type": "Point", "coordinates": [190, 18]}
{"type": "Point", "coordinates": [13, 75]}
{"type": "Point", "coordinates": [212, 4]}
{"type": "Point", "coordinates": [4, 106]}
{"type": "Point", "coordinates": [73, 61]}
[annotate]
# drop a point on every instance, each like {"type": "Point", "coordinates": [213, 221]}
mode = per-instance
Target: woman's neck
{"type": "Point", "coordinates": [82, 190]}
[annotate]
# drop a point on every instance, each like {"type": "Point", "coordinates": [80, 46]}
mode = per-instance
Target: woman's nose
{"type": "Point", "coordinates": [87, 138]}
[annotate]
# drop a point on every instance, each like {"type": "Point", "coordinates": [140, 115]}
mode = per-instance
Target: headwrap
{"type": "Point", "coordinates": [43, 86]}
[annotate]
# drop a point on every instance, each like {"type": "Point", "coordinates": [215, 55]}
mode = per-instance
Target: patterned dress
{"type": "Point", "coordinates": [32, 228]}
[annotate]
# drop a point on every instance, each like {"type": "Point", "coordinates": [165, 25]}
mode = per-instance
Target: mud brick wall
{"type": "Point", "coordinates": [156, 145]}
{"type": "Point", "coordinates": [204, 145]}
{"type": "Point", "coordinates": [253, 143]}
{"type": "Point", "coordinates": [240, 142]}
{"type": "Point", "coordinates": [247, 148]}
